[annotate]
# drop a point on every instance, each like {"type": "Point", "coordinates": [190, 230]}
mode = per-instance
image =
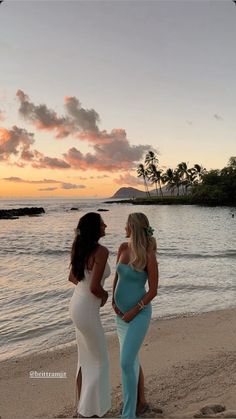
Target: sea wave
{"type": "Point", "coordinates": [218, 255]}
{"type": "Point", "coordinates": [196, 288]}
{"type": "Point", "coordinates": [35, 251]}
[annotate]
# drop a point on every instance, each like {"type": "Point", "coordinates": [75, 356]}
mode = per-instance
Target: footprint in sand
{"type": "Point", "coordinates": [209, 411]}
{"type": "Point", "coordinates": [215, 411]}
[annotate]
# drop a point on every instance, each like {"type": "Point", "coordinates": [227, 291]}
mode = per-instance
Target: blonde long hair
{"type": "Point", "coordinates": [140, 240]}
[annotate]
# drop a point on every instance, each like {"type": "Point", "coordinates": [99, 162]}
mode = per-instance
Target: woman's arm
{"type": "Point", "coordinates": [115, 308]}
{"type": "Point", "coordinates": [114, 285]}
{"type": "Point", "coordinates": [153, 279]}
{"type": "Point", "coordinates": [100, 260]}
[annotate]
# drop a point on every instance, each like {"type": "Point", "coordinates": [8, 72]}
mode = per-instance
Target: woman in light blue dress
{"type": "Point", "coordinates": [136, 265]}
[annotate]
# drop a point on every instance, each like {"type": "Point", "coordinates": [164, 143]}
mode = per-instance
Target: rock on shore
{"type": "Point", "coordinates": [19, 212]}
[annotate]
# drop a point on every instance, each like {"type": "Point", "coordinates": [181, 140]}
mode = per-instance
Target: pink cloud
{"type": "Point", "coordinates": [16, 148]}
{"type": "Point", "coordinates": [20, 180]}
{"type": "Point", "coordinates": [14, 142]}
{"type": "Point", "coordinates": [111, 151]}
{"type": "Point", "coordinates": [115, 155]}
{"type": "Point", "coordinates": [44, 162]}
{"type": "Point", "coordinates": [63, 185]}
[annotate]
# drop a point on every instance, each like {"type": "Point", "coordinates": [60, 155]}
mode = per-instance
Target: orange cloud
{"type": "Point", "coordinates": [4, 135]}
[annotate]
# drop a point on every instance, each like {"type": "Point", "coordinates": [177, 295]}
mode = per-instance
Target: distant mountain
{"type": "Point", "coordinates": [128, 193]}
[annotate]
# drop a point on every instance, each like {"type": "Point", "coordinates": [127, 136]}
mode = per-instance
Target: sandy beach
{"type": "Point", "coordinates": [189, 362]}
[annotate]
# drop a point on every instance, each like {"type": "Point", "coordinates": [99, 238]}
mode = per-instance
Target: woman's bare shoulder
{"type": "Point", "coordinates": [99, 255]}
{"type": "Point", "coordinates": [123, 246]}
{"type": "Point", "coordinates": [151, 255]}
{"type": "Point", "coordinates": [101, 251]}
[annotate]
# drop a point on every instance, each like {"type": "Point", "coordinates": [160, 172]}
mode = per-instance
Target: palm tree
{"type": "Point", "coordinates": [177, 180]}
{"type": "Point", "coordinates": [142, 172]}
{"type": "Point", "coordinates": [168, 178]}
{"type": "Point", "coordinates": [151, 173]}
{"type": "Point", "coordinates": [155, 176]}
{"type": "Point", "coordinates": [200, 171]}
{"type": "Point", "coordinates": [183, 171]}
{"type": "Point", "coordinates": [159, 179]}
{"type": "Point", "coordinates": [151, 158]}
{"type": "Point", "coordinates": [192, 178]}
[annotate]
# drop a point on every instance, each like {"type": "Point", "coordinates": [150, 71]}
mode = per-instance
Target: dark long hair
{"type": "Point", "coordinates": [86, 240]}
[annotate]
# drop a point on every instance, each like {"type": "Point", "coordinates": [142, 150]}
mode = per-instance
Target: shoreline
{"type": "Point", "coordinates": [189, 362]}
{"type": "Point", "coordinates": [168, 200]}
{"type": "Point", "coordinates": [67, 345]}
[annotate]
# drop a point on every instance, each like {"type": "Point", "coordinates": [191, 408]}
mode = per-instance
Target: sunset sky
{"type": "Point", "coordinates": [88, 87]}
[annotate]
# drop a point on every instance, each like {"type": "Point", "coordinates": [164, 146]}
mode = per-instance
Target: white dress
{"type": "Point", "coordinates": [92, 349]}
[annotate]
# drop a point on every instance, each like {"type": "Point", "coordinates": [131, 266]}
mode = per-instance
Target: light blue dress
{"type": "Point", "coordinates": [129, 291]}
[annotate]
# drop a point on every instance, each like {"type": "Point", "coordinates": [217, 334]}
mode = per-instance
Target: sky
{"type": "Point", "coordinates": [87, 88]}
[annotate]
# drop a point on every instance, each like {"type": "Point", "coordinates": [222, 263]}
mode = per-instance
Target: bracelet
{"type": "Point", "coordinates": [141, 305]}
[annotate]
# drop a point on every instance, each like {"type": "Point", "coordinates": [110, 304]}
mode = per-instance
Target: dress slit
{"type": "Point", "coordinates": [78, 387]}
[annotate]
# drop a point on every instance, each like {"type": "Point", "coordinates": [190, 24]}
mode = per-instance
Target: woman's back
{"type": "Point", "coordinates": [83, 286]}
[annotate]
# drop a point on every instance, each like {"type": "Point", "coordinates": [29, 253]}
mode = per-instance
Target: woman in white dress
{"type": "Point", "coordinates": [89, 268]}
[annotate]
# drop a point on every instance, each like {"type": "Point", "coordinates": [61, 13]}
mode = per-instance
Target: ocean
{"type": "Point", "coordinates": [196, 254]}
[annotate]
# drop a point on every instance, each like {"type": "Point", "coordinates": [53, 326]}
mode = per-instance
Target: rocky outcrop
{"type": "Point", "coordinates": [19, 212]}
{"type": "Point", "coordinates": [136, 193]}
{"type": "Point", "coordinates": [129, 193]}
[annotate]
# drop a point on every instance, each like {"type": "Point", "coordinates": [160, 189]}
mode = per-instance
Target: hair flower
{"type": "Point", "coordinates": [149, 231]}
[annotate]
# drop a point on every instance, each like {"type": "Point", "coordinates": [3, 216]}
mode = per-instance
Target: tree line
{"type": "Point", "coordinates": [196, 183]}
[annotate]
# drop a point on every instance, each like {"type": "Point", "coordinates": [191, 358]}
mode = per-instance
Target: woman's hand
{"type": "Point", "coordinates": [129, 315]}
{"type": "Point", "coordinates": [104, 298]}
